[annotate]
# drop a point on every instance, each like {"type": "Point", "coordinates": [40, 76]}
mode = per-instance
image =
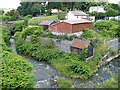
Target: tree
{"type": "Point", "coordinates": [1, 12]}
{"type": "Point", "coordinates": [14, 14]}
{"type": "Point", "coordinates": [48, 12]}
{"type": "Point", "coordinates": [61, 15]}
{"type": "Point", "coordinates": [32, 8]}
{"type": "Point", "coordinates": [111, 12]}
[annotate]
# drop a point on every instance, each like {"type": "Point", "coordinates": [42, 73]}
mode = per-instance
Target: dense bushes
{"type": "Point", "coordinates": [87, 34]}
{"type": "Point", "coordinates": [16, 71]}
{"type": "Point", "coordinates": [80, 68]}
{"type": "Point", "coordinates": [18, 26]}
{"type": "Point", "coordinates": [4, 38]}
{"type": "Point", "coordinates": [5, 34]}
{"type": "Point", "coordinates": [62, 83]}
{"type": "Point", "coordinates": [32, 30]}
{"type": "Point", "coordinates": [53, 56]}
{"type": "Point", "coordinates": [61, 15]}
{"type": "Point", "coordinates": [6, 18]}
{"type": "Point", "coordinates": [106, 28]}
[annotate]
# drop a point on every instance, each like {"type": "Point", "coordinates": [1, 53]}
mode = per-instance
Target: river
{"type": "Point", "coordinates": [44, 74]}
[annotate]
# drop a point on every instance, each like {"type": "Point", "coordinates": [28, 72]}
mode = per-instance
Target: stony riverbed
{"type": "Point", "coordinates": [45, 74]}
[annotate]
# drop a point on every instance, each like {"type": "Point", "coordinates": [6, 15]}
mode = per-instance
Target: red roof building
{"type": "Point", "coordinates": [78, 45]}
{"type": "Point", "coordinates": [70, 26]}
{"type": "Point", "coordinates": [47, 23]}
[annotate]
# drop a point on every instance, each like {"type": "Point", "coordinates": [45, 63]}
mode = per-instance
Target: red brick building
{"type": "Point", "coordinates": [70, 26]}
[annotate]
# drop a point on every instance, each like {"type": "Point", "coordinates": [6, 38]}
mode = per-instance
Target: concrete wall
{"type": "Point", "coordinates": [114, 44]}
{"type": "Point", "coordinates": [62, 45]}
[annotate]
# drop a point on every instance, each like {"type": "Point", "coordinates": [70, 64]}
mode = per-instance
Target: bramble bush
{"type": "Point", "coordinates": [36, 30]}
{"type": "Point", "coordinates": [16, 72]}
{"type": "Point", "coordinates": [18, 26]}
{"type": "Point", "coordinates": [106, 27]}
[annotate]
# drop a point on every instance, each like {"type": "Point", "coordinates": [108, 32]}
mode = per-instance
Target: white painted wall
{"type": "Point", "coordinates": [100, 9]}
{"type": "Point", "coordinates": [70, 16]}
{"type": "Point", "coordinates": [77, 33]}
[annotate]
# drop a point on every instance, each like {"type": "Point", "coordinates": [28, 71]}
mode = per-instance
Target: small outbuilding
{"type": "Point", "coordinates": [70, 27]}
{"type": "Point", "coordinates": [47, 23]}
{"type": "Point", "coordinates": [78, 45]}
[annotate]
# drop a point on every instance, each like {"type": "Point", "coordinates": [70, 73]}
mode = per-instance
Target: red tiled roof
{"type": "Point", "coordinates": [78, 43]}
{"type": "Point", "coordinates": [77, 21]}
{"type": "Point", "coordinates": [46, 22]}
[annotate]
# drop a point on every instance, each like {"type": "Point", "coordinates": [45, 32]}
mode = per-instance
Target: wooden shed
{"type": "Point", "coordinates": [78, 45]}
{"type": "Point", "coordinates": [70, 26]}
{"type": "Point", "coordinates": [47, 23]}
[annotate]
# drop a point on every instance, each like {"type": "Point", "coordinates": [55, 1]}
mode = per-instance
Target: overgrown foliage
{"type": "Point", "coordinates": [110, 83]}
{"type": "Point", "coordinates": [18, 26]}
{"type": "Point", "coordinates": [61, 83]}
{"type": "Point", "coordinates": [14, 14]}
{"type": "Point", "coordinates": [61, 15]}
{"type": "Point", "coordinates": [53, 56]}
{"type": "Point", "coordinates": [17, 73]}
{"type": "Point", "coordinates": [106, 27]}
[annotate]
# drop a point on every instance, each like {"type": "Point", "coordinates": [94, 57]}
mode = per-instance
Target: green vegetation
{"type": "Point", "coordinates": [61, 15]}
{"type": "Point", "coordinates": [62, 83]}
{"type": "Point", "coordinates": [14, 14]}
{"type": "Point", "coordinates": [63, 62]}
{"type": "Point", "coordinates": [38, 20]}
{"type": "Point", "coordinates": [110, 83]}
{"type": "Point", "coordinates": [4, 38]}
{"type": "Point", "coordinates": [111, 12]}
{"type": "Point", "coordinates": [18, 26]}
{"type": "Point", "coordinates": [68, 64]}
{"type": "Point", "coordinates": [16, 71]}
{"type": "Point", "coordinates": [106, 28]}
{"type": "Point", "coordinates": [5, 18]}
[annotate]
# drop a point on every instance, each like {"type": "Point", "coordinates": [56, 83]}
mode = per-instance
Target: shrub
{"type": "Point", "coordinates": [79, 68]}
{"type": "Point", "coordinates": [18, 26]}
{"type": "Point", "coordinates": [61, 15]}
{"type": "Point", "coordinates": [87, 33]}
{"type": "Point", "coordinates": [105, 25]}
{"type": "Point", "coordinates": [6, 18]}
{"type": "Point", "coordinates": [36, 30]}
{"type": "Point", "coordinates": [64, 84]}
{"type": "Point", "coordinates": [5, 34]}
{"type": "Point", "coordinates": [16, 71]}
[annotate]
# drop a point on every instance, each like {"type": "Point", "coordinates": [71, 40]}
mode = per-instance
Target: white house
{"type": "Point", "coordinates": [75, 15]}
{"type": "Point", "coordinates": [96, 9]}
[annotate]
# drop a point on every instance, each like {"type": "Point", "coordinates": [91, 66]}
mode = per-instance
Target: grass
{"type": "Point", "coordinates": [38, 20]}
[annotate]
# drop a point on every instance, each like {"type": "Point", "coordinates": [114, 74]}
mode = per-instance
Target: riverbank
{"type": "Point", "coordinates": [44, 73]}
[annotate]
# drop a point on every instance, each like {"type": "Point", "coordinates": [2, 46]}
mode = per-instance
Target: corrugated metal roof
{"type": "Point", "coordinates": [78, 43]}
{"type": "Point", "coordinates": [78, 13]}
{"type": "Point", "coordinates": [46, 22]}
{"type": "Point", "coordinates": [77, 21]}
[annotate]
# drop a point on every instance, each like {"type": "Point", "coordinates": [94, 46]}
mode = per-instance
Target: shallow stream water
{"type": "Point", "coordinates": [44, 74]}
